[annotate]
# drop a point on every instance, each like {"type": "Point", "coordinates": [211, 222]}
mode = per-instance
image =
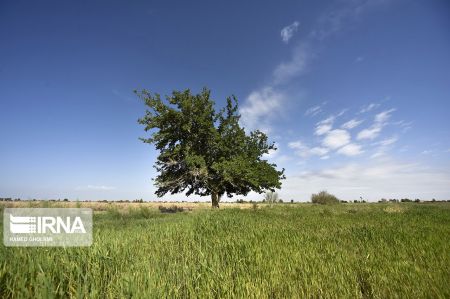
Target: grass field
{"type": "Point", "coordinates": [285, 251]}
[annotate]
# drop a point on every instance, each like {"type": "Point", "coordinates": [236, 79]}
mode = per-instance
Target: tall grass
{"type": "Point", "coordinates": [340, 251]}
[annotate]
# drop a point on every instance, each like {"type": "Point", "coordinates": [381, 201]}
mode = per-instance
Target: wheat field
{"type": "Point", "coordinates": [281, 251]}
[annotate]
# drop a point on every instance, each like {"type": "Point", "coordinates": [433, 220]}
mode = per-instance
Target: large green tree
{"type": "Point", "coordinates": [204, 151]}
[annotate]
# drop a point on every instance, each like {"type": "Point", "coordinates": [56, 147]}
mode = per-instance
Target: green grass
{"type": "Point", "coordinates": [288, 251]}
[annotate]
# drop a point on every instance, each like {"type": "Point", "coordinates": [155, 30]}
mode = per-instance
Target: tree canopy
{"type": "Point", "coordinates": [203, 151]}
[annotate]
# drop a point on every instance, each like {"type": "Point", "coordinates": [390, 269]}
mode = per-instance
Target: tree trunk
{"type": "Point", "coordinates": [214, 200]}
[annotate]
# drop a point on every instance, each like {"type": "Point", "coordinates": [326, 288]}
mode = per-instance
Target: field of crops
{"type": "Point", "coordinates": [284, 251]}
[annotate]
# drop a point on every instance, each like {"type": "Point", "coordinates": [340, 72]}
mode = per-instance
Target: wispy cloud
{"type": "Point", "coordinates": [351, 149]}
{"type": "Point", "coordinates": [334, 20]}
{"type": "Point", "coordinates": [342, 112]}
{"type": "Point", "coordinates": [351, 124]}
{"type": "Point", "coordinates": [305, 151]}
{"type": "Point", "coordinates": [301, 56]}
{"type": "Point", "coordinates": [313, 111]}
{"type": "Point", "coordinates": [324, 126]}
{"type": "Point", "coordinates": [373, 131]}
{"type": "Point", "coordinates": [369, 107]}
{"type": "Point", "coordinates": [288, 31]}
{"type": "Point", "coordinates": [339, 141]}
{"type": "Point", "coordinates": [382, 117]}
{"type": "Point", "coordinates": [336, 139]}
{"type": "Point", "coordinates": [406, 126]}
{"type": "Point", "coordinates": [370, 133]}
{"type": "Point", "coordinates": [260, 108]}
{"type": "Point", "coordinates": [262, 105]}
{"type": "Point", "coordinates": [383, 146]}
{"type": "Point", "coordinates": [388, 141]}
{"type": "Point", "coordinates": [285, 71]}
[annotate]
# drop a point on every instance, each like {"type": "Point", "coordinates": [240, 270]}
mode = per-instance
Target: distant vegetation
{"type": "Point", "coordinates": [171, 209]}
{"type": "Point", "coordinates": [240, 200]}
{"type": "Point", "coordinates": [324, 198]}
{"type": "Point", "coordinates": [271, 197]}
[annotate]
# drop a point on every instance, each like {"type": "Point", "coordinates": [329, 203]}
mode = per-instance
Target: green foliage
{"type": "Point", "coordinates": [205, 152]}
{"type": "Point", "coordinates": [283, 252]}
{"type": "Point", "coordinates": [172, 209]}
{"type": "Point", "coordinates": [324, 198]}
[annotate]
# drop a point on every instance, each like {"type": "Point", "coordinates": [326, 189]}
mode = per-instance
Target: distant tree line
{"type": "Point", "coordinates": [9, 199]}
{"type": "Point", "coordinates": [322, 197]}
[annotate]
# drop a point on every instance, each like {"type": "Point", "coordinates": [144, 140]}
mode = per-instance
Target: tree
{"type": "Point", "coordinates": [271, 197]}
{"type": "Point", "coordinates": [205, 152]}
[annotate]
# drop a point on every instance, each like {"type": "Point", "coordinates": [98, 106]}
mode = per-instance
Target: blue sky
{"type": "Point", "coordinates": [355, 93]}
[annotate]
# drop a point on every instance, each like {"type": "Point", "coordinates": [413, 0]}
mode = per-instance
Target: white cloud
{"type": "Point", "coordinates": [350, 150]}
{"type": "Point", "coordinates": [281, 159]}
{"type": "Point", "coordinates": [305, 151]}
{"type": "Point", "coordinates": [319, 151]}
{"type": "Point", "coordinates": [297, 65]}
{"type": "Point", "coordinates": [295, 144]}
{"type": "Point", "coordinates": [369, 107]}
{"type": "Point", "coordinates": [313, 111]}
{"type": "Point", "coordinates": [322, 129]}
{"type": "Point", "coordinates": [406, 126]}
{"type": "Point", "coordinates": [384, 116]}
{"type": "Point", "coordinates": [330, 22]}
{"type": "Point", "coordinates": [328, 120]}
{"type": "Point", "coordinates": [260, 107]}
{"type": "Point", "coordinates": [375, 130]}
{"type": "Point", "coordinates": [343, 111]}
{"type": "Point", "coordinates": [370, 133]}
{"type": "Point", "coordinates": [383, 147]}
{"type": "Point", "coordinates": [256, 112]}
{"type": "Point", "coordinates": [324, 126]}
{"type": "Point", "coordinates": [336, 139]}
{"type": "Point", "coordinates": [264, 104]}
{"type": "Point", "coordinates": [300, 149]}
{"type": "Point", "coordinates": [352, 124]}
{"type": "Point", "coordinates": [378, 154]}
{"type": "Point", "coordinates": [388, 141]}
{"type": "Point", "coordinates": [348, 171]}
{"type": "Point", "coordinates": [288, 31]}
